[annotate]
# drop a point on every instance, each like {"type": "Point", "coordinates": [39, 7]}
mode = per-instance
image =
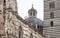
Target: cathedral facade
{"type": "Point", "coordinates": [52, 18]}
{"type": "Point", "coordinates": [13, 26]}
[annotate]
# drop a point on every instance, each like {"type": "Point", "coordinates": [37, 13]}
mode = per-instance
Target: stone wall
{"type": "Point", "coordinates": [54, 31]}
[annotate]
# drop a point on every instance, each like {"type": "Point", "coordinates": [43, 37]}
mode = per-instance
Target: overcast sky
{"type": "Point", "coordinates": [25, 5]}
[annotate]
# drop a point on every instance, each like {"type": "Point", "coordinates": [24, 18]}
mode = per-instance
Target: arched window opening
{"type": "Point", "coordinates": [31, 13]}
{"type": "Point", "coordinates": [52, 15]}
{"type": "Point", "coordinates": [34, 14]}
{"type": "Point", "coordinates": [51, 5]}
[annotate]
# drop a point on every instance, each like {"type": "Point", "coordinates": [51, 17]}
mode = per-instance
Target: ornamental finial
{"type": "Point", "coordinates": [32, 5]}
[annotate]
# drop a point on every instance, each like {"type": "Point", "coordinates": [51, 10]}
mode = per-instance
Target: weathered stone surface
{"type": "Point", "coordinates": [52, 32]}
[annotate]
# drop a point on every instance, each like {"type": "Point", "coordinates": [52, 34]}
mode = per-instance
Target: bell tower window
{"type": "Point", "coordinates": [51, 5]}
{"type": "Point", "coordinates": [31, 13]}
{"type": "Point", "coordinates": [52, 15]}
{"type": "Point", "coordinates": [51, 23]}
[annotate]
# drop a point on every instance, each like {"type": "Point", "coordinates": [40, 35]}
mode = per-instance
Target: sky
{"type": "Point", "coordinates": [25, 5]}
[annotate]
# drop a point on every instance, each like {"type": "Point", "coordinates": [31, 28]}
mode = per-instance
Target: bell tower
{"type": "Point", "coordinates": [32, 12]}
{"type": "Point", "coordinates": [52, 18]}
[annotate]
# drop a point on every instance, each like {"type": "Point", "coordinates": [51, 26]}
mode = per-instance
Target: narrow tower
{"type": "Point", "coordinates": [52, 18]}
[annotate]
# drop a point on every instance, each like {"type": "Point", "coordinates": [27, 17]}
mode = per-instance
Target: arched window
{"type": "Point", "coordinates": [34, 13]}
{"type": "Point", "coordinates": [20, 32]}
{"type": "Point", "coordinates": [31, 36]}
{"type": "Point", "coordinates": [51, 23]}
{"type": "Point", "coordinates": [51, 5]}
{"type": "Point", "coordinates": [52, 15]}
{"type": "Point", "coordinates": [31, 14]}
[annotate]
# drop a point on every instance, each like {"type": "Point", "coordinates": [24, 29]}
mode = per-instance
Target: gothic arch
{"type": "Point", "coordinates": [20, 32]}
